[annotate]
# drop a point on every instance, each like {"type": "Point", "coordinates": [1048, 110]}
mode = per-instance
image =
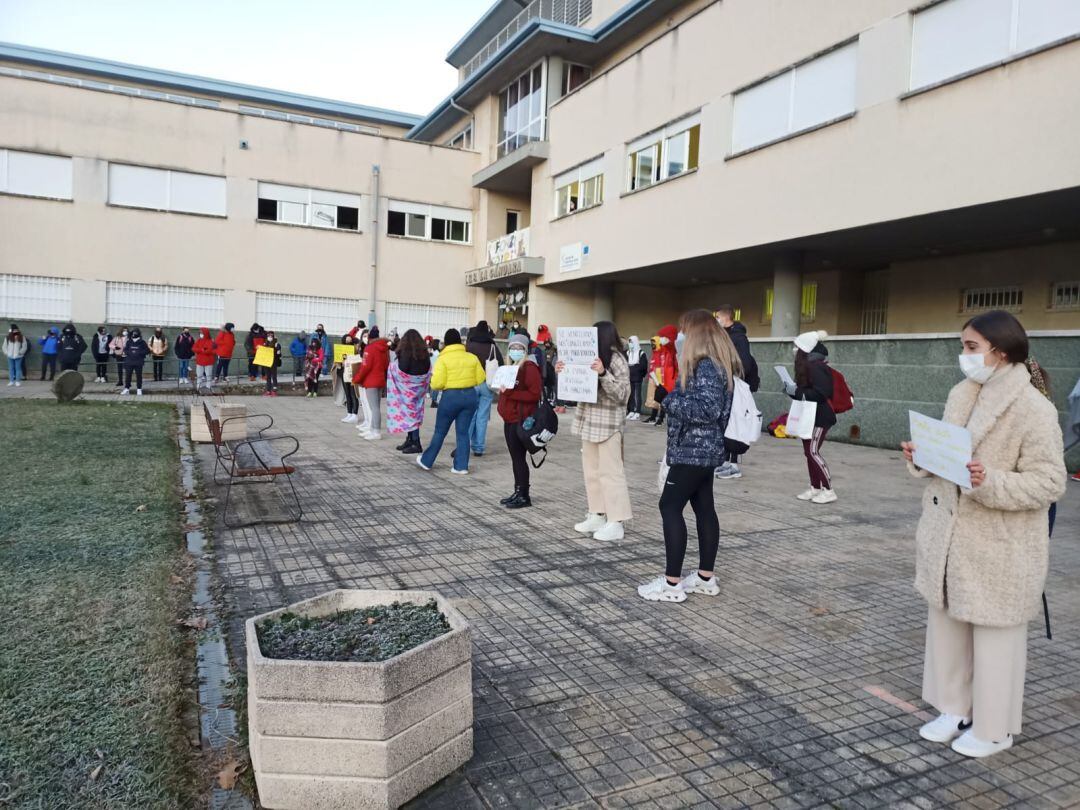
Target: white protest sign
{"type": "Point", "coordinates": [505, 377]}
{"type": "Point", "coordinates": [941, 448]}
{"type": "Point", "coordinates": [577, 347]}
{"type": "Point", "coordinates": [785, 378]}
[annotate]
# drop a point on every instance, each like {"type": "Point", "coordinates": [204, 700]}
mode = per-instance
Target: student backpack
{"type": "Point", "coordinates": [744, 424]}
{"type": "Point", "coordinates": [538, 430]}
{"type": "Point", "coordinates": [842, 400]}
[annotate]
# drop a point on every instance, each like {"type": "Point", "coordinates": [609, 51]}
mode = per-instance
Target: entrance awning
{"type": "Point", "coordinates": [513, 273]}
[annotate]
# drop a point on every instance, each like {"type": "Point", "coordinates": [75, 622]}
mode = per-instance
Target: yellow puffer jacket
{"type": "Point", "coordinates": [457, 368]}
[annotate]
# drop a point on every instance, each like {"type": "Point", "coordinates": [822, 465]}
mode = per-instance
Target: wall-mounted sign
{"type": "Point", "coordinates": [572, 257]}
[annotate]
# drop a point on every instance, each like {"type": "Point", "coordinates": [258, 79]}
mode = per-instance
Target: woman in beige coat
{"type": "Point", "coordinates": [981, 553]}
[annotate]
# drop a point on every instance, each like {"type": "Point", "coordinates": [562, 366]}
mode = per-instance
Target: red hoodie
{"type": "Point", "coordinates": [371, 373]}
{"type": "Point", "coordinates": [204, 349]}
{"type": "Point", "coordinates": [225, 343]}
{"type": "Point", "coordinates": [664, 360]}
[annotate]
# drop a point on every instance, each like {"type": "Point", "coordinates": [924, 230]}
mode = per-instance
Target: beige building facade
{"type": "Point", "coordinates": [880, 167]}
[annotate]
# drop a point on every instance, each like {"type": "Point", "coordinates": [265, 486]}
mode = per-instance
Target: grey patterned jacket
{"type": "Point", "coordinates": [698, 417]}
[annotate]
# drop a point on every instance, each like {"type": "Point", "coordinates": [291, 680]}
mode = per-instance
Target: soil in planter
{"type": "Point", "coordinates": [365, 634]}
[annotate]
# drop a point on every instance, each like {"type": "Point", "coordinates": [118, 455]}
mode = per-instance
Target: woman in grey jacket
{"type": "Point", "coordinates": [698, 411]}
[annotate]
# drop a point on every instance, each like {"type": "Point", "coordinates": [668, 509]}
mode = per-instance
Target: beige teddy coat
{"type": "Point", "coordinates": [982, 553]}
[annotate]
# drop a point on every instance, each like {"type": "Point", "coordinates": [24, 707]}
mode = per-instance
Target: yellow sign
{"type": "Point", "coordinates": [264, 356]}
{"type": "Point", "coordinates": [343, 349]}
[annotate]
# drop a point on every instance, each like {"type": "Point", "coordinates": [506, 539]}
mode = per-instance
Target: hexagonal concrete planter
{"type": "Point", "coordinates": [337, 734]}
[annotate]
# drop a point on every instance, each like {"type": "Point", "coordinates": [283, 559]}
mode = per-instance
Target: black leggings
{"type": "Point", "coordinates": [271, 378]}
{"type": "Point", "coordinates": [352, 401]}
{"type": "Point", "coordinates": [634, 404]}
{"type": "Point", "coordinates": [48, 362]}
{"type": "Point", "coordinates": [138, 376]}
{"type": "Point", "coordinates": [159, 369]}
{"type": "Point", "coordinates": [518, 455]}
{"type": "Point", "coordinates": [693, 484]}
{"type": "Point", "coordinates": [102, 370]}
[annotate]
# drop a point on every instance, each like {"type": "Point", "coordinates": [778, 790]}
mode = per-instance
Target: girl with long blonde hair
{"type": "Point", "coordinates": [698, 411]}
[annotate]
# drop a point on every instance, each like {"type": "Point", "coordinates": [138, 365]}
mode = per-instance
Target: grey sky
{"type": "Point", "coordinates": [365, 51]}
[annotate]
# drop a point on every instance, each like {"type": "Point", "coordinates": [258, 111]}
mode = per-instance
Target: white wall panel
{"type": "Point", "coordinates": [196, 193]}
{"type": "Point", "coordinates": [824, 88]}
{"type": "Point", "coordinates": [1042, 21]}
{"type": "Point", "coordinates": [427, 320]}
{"type": "Point", "coordinates": [138, 186]}
{"type": "Point", "coordinates": [762, 113]}
{"type": "Point", "coordinates": [37, 175]}
{"type": "Point", "coordinates": [163, 305]}
{"type": "Point", "coordinates": [295, 313]}
{"type": "Point", "coordinates": [957, 36]}
{"type": "Point", "coordinates": [35, 298]}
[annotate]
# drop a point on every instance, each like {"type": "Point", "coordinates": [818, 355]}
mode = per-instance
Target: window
{"type": "Point", "coordinates": [662, 154]}
{"type": "Point", "coordinates": [35, 297]}
{"type": "Point", "coordinates": [958, 36]}
{"type": "Point", "coordinates": [309, 206]}
{"type": "Point", "coordinates": [875, 302]}
{"type": "Point", "coordinates": [166, 190]}
{"type": "Point", "coordinates": [984, 298]}
{"type": "Point", "coordinates": [433, 222]}
{"type": "Point", "coordinates": [767, 306]}
{"type": "Point", "coordinates": [35, 175]}
{"type": "Point", "coordinates": [1065, 295]}
{"type": "Point", "coordinates": [573, 77]}
{"type": "Point", "coordinates": [278, 115]}
{"type": "Point", "coordinates": [163, 305]}
{"type": "Point", "coordinates": [425, 319]}
{"type": "Point", "coordinates": [808, 309]}
{"type": "Point", "coordinates": [463, 140]}
{"type": "Point", "coordinates": [521, 111]}
{"type": "Point", "coordinates": [798, 99]}
{"type": "Point", "coordinates": [295, 313]}
{"type": "Point", "coordinates": [513, 221]}
{"type": "Point", "coordinates": [579, 188]}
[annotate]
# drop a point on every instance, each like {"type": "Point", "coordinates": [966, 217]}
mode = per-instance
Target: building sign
{"type": "Point", "coordinates": [494, 272]}
{"type": "Point", "coordinates": [572, 257]}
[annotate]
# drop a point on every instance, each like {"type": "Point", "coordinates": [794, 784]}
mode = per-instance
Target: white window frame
{"type": "Point", "coordinates": [786, 81]}
{"type": "Point", "coordinates": [60, 188]}
{"type": "Point", "coordinates": [1014, 45]}
{"type": "Point", "coordinates": [131, 303]}
{"type": "Point", "coordinates": [427, 319]}
{"type": "Point", "coordinates": [284, 312]}
{"type": "Point", "coordinates": [658, 144]}
{"type": "Point", "coordinates": [574, 181]}
{"type": "Point", "coordinates": [38, 298]}
{"type": "Point", "coordinates": [463, 140]}
{"type": "Point", "coordinates": [510, 141]}
{"type": "Point", "coordinates": [1062, 288]}
{"type": "Point", "coordinates": [171, 178]}
{"type": "Point", "coordinates": [423, 214]}
{"type": "Point", "coordinates": [565, 89]}
{"type": "Point", "coordinates": [309, 200]}
{"type": "Point", "coordinates": [983, 299]}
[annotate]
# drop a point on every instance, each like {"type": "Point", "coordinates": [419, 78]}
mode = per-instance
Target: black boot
{"type": "Point", "coordinates": [403, 445]}
{"type": "Point", "coordinates": [651, 419]}
{"type": "Point", "coordinates": [510, 497]}
{"type": "Point", "coordinates": [412, 447]}
{"type": "Point", "coordinates": [521, 501]}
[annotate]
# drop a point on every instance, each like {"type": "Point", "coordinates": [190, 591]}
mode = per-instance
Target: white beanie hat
{"type": "Point", "coordinates": [808, 340]}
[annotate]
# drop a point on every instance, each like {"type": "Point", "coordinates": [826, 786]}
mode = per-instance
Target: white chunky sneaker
{"type": "Point", "coordinates": [971, 746]}
{"type": "Point", "coordinates": [945, 728]}
{"type": "Point", "coordinates": [349, 417]}
{"type": "Point", "coordinates": [125, 392]}
{"type": "Point", "coordinates": [420, 463]}
{"type": "Point", "coordinates": [728, 470]}
{"type": "Point", "coordinates": [824, 496]}
{"type": "Point", "coordinates": [695, 584]}
{"type": "Point", "coordinates": [658, 590]}
{"type": "Point", "coordinates": [592, 523]}
{"type": "Point", "coordinates": [138, 393]}
{"type": "Point", "coordinates": [809, 495]}
{"type": "Point", "coordinates": [612, 530]}
{"type": "Point", "coordinates": [372, 436]}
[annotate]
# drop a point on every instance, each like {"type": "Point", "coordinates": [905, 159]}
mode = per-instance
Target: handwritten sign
{"type": "Point", "coordinates": [264, 356]}
{"type": "Point", "coordinates": [343, 349]}
{"type": "Point", "coordinates": [505, 377]}
{"type": "Point", "coordinates": [577, 351]}
{"type": "Point", "coordinates": [941, 448]}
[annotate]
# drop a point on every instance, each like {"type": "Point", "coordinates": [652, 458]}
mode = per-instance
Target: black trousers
{"type": "Point", "coordinates": [48, 363]}
{"type": "Point", "coordinates": [271, 378]}
{"type": "Point", "coordinates": [518, 455]}
{"type": "Point", "coordinates": [298, 367]}
{"type": "Point", "coordinates": [138, 376]}
{"type": "Point", "coordinates": [254, 371]}
{"type": "Point", "coordinates": [634, 403]}
{"type": "Point", "coordinates": [69, 365]}
{"type": "Point", "coordinates": [159, 369]}
{"type": "Point", "coordinates": [222, 368]}
{"type": "Point", "coordinates": [693, 485]}
{"type": "Point", "coordinates": [352, 401]}
{"type": "Point", "coordinates": [119, 371]}
{"type": "Point", "coordinates": [102, 370]}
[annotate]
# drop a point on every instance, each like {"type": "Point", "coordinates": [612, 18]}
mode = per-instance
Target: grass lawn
{"type": "Point", "coordinates": [92, 664]}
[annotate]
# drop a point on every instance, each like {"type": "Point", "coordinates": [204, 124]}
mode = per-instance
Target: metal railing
{"type": "Point", "coordinates": [506, 248]}
{"type": "Point", "coordinates": [570, 12]}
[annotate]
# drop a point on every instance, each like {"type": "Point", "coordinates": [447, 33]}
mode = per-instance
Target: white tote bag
{"type": "Point", "coordinates": [800, 419]}
{"type": "Point", "coordinates": [491, 367]}
{"type": "Point", "coordinates": [744, 424]}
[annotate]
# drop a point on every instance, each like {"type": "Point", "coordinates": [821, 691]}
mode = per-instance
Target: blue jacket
{"type": "Point", "coordinates": [50, 344]}
{"type": "Point", "coordinates": [698, 417]}
{"type": "Point", "coordinates": [298, 347]}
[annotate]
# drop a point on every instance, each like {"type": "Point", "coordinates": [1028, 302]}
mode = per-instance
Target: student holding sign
{"type": "Point", "coordinates": [600, 426]}
{"type": "Point", "coordinates": [268, 356]}
{"type": "Point", "coordinates": [981, 553]}
{"type": "Point", "coordinates": [813, 383]}
{"type": "Point", "coordinates": [517, 402]}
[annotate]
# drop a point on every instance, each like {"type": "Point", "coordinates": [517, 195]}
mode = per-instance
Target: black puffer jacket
{"type": "Point", "coordinates": [820, 389]}
{"type": "Point", "coordinates": [135, 350]}
{"type": "Point", "coordinates": [71, 346]}
{"type": "Point", "coordinates": [481, 346]}
{"type": "Point", "coordinates": [737, 332]}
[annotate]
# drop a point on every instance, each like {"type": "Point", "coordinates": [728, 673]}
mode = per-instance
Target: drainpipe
{"type": "Point", "coordinates": [374, 243]}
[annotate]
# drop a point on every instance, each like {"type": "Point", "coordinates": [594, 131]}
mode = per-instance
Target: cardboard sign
{"type": "Point", "coordinates": [941, 448]}
{"type": "Point", "coordinates": [505, 377]}
{"type": "Point", "coordinates": [343, 349]}
{"type": "Point", "coordinates": [264, 356]}
{"type": "Point", "coordinates": [578, 384]}
{"type": "Point", "coordinates": [577, 351]}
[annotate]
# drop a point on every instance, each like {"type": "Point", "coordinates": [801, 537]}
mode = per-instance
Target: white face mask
{"type": "Point", "coordinates": [975, 368]}
{"type": "Point", "coordinates": [679, 340]}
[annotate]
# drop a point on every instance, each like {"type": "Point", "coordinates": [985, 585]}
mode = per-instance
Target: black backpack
{"type": "Point", "coordinates": [538, 430]}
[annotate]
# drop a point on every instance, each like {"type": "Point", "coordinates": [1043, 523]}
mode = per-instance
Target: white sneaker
{"type": "Point", "coordinates": [695, 584]}
{"type": "Point", "coordinates": [728, 470]}
{"type": "Point", "coordinates": [658, 590]}
{"type": "Point", "coordinates": [420, 463]}
{"type": "Point", "coordinates": [612, 530]}
{"type": "Point", "coordinates": [459, 472]}
{"type": "Point", "coordinates": [349, 417]}
{"type": "Point", "coordinates": [809, 495]}
{"type": "Point", "coordinates": [591, 524]}
{"type": "Point", "coordinates": [138, 392]}
{"type": "Point", "coordinates": [945, 728]}
{"type": "Point", "coordinates": [11, 382]}
{"type": "Point", "coordinates": [125, 392]}
{"type": "Point", "coordinates": [824, 496]}
{"type": "Point", "coordinates": [372, 436]}
{"type": "Point", "coordinates": [971, 746]}
{"type": "Point", "coordinates": [18, 383]}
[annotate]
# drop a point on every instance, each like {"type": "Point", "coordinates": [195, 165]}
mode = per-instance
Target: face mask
{"type": "Point", "coordinates": [975, 368]}
{"type": "Point", "coordinates": [517, 355]}
{"type": "Point", "coordinates": [679, 340]}
{"type": "Point", "coordinates": [124, 333]}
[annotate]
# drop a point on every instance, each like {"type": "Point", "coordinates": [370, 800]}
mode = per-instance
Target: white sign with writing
{"type": "Point", "coordinates": [941, 448]}
{"type": "Point", "coordinates": [571, 257]}
{"type": "Point", "coordinates": [505, 377]}
{"type": "Point", "coordinates": [577, 347]}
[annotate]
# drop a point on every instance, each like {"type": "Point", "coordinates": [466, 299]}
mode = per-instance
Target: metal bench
{"type": "Point", "coordinates": [258, 458]}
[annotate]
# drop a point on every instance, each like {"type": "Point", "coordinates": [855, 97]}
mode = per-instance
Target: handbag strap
{"type": "Point", "coordinates": [491, 354]}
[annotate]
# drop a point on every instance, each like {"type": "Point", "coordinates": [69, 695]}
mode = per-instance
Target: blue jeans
{"type": "Point", "coordinates": [14, 369]}
{"type": "Point", "coordinates": [183, 371]}
{"type": "Point", "coordinates": [478, 429]}
{"type": "Point", "coordinates": [457, 405]}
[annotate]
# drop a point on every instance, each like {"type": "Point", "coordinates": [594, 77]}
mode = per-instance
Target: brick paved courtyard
{"type": "Point", "coordinates": [797, 687]}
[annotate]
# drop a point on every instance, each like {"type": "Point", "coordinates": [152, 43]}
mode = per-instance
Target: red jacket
{"type": "Point", "coordinates": [519, 403]}
{"type": "Point", "coordinates": [664, 360]}
{"type": "Point", "coordinates": [371, 373]}
{"type": "Point", "coordinates": [224, 344]}
{"type": "Point", "coordinates": [204, 349]}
